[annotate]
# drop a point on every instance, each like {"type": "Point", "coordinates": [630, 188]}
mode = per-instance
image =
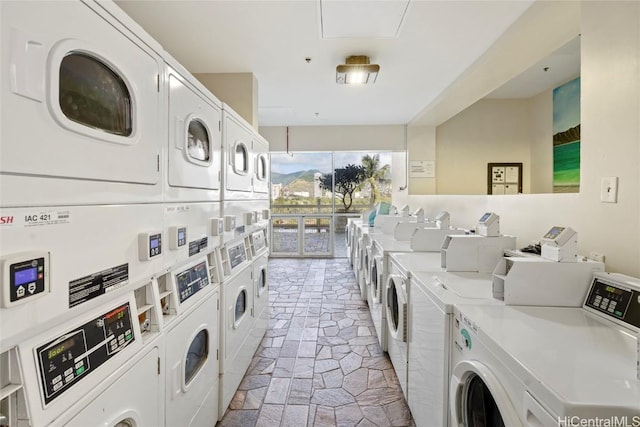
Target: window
{"type": "Point", "coordinates": [196, 355]}
{"type": "Point", "coordinates": [93, 95]}
{"type": "Point", "coordinates": [198, 142]}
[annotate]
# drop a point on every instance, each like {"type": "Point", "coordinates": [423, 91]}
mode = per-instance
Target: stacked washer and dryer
{"type": "Point", "coordinates": [244, 253]}
{"type": "Point", "coordinates": [113, 224]}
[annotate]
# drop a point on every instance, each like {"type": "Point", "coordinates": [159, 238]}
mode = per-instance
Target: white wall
{"type": "Point", "coordinates": [541, 137]}
{"type": "Point", "coordinates": [239, 90]}
{"type": "Point", "coordinates": [490, 131]}
{"type": "Point", "coordinates": [610, 146]}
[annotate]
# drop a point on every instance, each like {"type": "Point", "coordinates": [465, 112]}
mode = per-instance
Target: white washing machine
{"type": "Point", "coordinates": [60, 262]}
{"type": "Point", "coordinates": [260, 298]}
{"type": "Point", "coordinates": [86, 89]}
{"type": "Point", "coordinates": [134, 399]}
{"type": "Point", "coordinates": [350, 237]}
{"type": "Point", "coordinates": [385, 245]}
{"type": "Point", "coordinates": [362, 262]}
{"type": "Point", "coordinates": [57, 374]}
{"type": "Point", "coordinates": [549, 366]}
{"type": "Point", "coordinates": [237, 143]}
{"type": "Point", "coordinates": [432, 295]}
{"type": "Point", "coordinates": [237, 346]}
{"type": "Point", "coordinates": [192, 341]}
{"type": "Point", "coordinates": [194, 151]}
{"type": "Point", "coordinates": [397, 314]}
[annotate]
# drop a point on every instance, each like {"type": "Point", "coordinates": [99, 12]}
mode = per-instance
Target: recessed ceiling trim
{"type": "Point", "coordinates": [361, 19]}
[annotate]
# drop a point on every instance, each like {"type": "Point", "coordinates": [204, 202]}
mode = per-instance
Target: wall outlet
{"type": "Point", "coordinates": [595, 256]}
{"type": "Point", "coordinates": [609, 189]}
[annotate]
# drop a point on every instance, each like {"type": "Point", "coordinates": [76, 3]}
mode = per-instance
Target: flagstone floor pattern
{"type": "Point", "coordinates": [319, 363]}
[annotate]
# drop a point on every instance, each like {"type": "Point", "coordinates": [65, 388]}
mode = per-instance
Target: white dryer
{"type": "Point", "coordinates": [194, 151]}
{"type": "Point", "coordinates": [237, 346]}
{"type": "Point", "coordinates": [261, 297]}
{"type": "Point", "coordinates": [549, 366]}
{"type": "Point", "coordinates": [237, 137]}
{"type": "Point", "coordinates": [81, 106]}
{"type": "Point", "coordinates": [261, 167]}
{"type": "Point", "coordinates": [191, 335]}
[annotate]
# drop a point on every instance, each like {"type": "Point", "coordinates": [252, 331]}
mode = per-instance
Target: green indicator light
{"type": "Point", "coordinates": [128, 337]}
{"type": "Point", "coordinates": [618, 313]}
{"type": "Point", "coordinates": [80, 370]}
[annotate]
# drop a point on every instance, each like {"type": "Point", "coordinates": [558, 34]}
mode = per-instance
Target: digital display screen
{"type": "Point", "coordinates": [182, 233]}
{"type": "Point", "coordinates": [554, 233]}
{"type": "Point", "coordinates": [63, 346]}
{"type": "Point", "coordinates": [25, 276]}
{"type": "Point", "coordinates": [154, 242]}
{"type": "Point", "coordinates": [485, 217]}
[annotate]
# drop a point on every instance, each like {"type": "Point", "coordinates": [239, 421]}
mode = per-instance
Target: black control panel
{"type": "Point", "coordinates": [192, 280]}
{"type": "Point", "coordinates": [26, 279]}
{"type": "Point", "coordinates": [71, 357]}
{"type": "Point", "coordinates": [615, 301]}
{"type": "Point", "coordinates": [237, 255]}
{"type": "Point", "coordinates": [182, 236]}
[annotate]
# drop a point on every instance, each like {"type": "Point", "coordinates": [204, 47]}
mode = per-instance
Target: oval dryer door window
{"type": "Point", "coordinates": [196, 355]}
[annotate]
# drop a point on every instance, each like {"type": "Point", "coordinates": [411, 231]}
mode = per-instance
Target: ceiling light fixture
{"type": "Point", "coordinates": [357, 70]}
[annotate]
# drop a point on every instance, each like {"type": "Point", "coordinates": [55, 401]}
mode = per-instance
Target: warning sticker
{"type": "Point", "coordinates": [89, 287]}
{"type": "Point", "coordinates": [47, 218]}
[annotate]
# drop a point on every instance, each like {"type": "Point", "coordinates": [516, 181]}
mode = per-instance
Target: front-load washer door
{"type": "Point", "coordinates": [261, 166]}
{"type": "Point", "coordinates": [237, 143]}
{"type": "Point", "coordinates": [376, 287]}
{"type": "Point", "coordinates": [194, 137]}
{"type": "Point", "coordinates": [83, 100]}
{"type": "Point", "coordinates": [397, 308]}
{"type": "Point", "coordinates": [477, 398]}
{"type": "Point", "coordinates": [192, 367]}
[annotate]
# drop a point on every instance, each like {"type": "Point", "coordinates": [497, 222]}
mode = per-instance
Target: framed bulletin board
{"type": "Point", "coordinates": [504, 178]}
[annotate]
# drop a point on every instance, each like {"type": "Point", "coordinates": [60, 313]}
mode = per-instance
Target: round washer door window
{"type": "Point", "coordinates": [196, 355]}
{"type": "Point", "coordinates": [479, 407]}
{"type": "Point", "coordinates": [198, 142]}
{"type": "Point", "coordinates": [241, 305]}
{"type": "Point", "coordinates": [392, 302]}
{"type": "Point", "coordinates": [92, 94]}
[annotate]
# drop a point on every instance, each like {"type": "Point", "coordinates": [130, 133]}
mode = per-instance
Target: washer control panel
{"type": "Point", "coordinates": [70, 357]}
{"type": "Point", "coordinates": [615, 296]}
{"type": "Point", "coordinates": [192, 280]}
{"type": "Point", "coordinates": [25, 276]}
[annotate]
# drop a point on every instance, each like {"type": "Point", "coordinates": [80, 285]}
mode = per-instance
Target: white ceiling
{"type": "Point", "coordinates": [421, 46]}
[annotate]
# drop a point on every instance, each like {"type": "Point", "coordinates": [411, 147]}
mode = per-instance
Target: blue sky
{"type": "Point", "coordinates": [566, 106]}
{"type": "Point", "coordinates": [284, 163]}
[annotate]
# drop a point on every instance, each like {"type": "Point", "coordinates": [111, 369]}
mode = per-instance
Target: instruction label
{"type": "Point", "coordinates": [47, 218]}
{"type": "Point", "coordinates": [198, 246]}
{"type": "Point", "coordinates": [90, 287]}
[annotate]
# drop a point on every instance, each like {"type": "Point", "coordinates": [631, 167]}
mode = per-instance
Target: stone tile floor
{"type": "Point", "coordinates": [319, 363]}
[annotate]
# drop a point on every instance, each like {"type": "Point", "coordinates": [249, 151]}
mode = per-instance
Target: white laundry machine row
{"type": "Point", "coordinates": [82, 110]}
{"type": "Point", "coordinates": [194, 149]}
{"type": "Point", "coordinates": [549, 366]}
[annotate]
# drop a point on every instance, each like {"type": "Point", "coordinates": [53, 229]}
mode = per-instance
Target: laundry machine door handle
{"type": "Point", "coordinates": [176, 380]}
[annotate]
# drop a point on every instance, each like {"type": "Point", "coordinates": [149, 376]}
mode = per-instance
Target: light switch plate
{"type": "Point", "coordinates": [609, 189]}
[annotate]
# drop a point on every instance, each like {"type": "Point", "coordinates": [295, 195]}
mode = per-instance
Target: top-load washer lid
{"type": "Point", "coordinates": [573, 363]}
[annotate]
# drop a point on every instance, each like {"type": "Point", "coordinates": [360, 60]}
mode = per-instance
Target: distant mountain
{"type": "Point", "coordinates": [569, 135]}
{"type": "Point", "coordinates": [288, 178]}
